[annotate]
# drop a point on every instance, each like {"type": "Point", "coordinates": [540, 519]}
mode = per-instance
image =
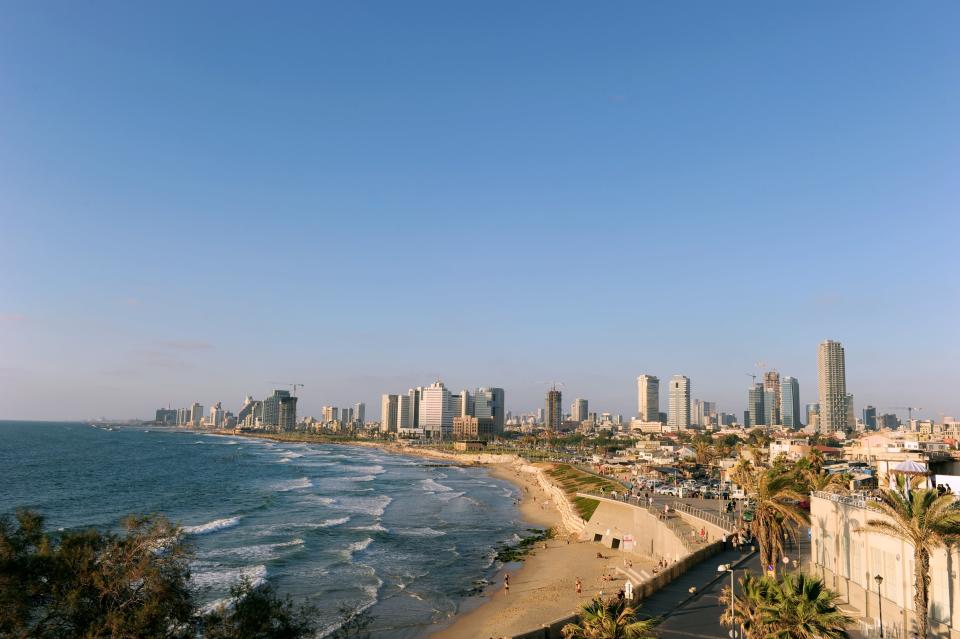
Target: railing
{"type": "Point", "coordinates": [859, 501]}
{"type": "Point", "coordinates": [689, 537]}
{"type": "Point", "coordinates": [721, 521]}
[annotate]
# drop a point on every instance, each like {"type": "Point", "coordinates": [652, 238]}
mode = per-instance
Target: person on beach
{"type": "Point", "coordinates": [579, 586]}
{"type": "Point", "coordinates": [506, 583]}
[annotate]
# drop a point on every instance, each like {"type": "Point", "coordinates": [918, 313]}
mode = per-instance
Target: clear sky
{"type": "Point", "coordinates": [198, 199]}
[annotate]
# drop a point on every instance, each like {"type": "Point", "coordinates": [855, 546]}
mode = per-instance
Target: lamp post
{"type": "Point", "coordinates": [724, 568]}
{"type": "Point", "coordinates": [879, 581]}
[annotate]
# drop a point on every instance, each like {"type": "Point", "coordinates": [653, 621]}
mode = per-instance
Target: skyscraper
{"type": "Point", "coordinates": [771, 382]}
{"type": "Point", "coordinates": [679, 416]}
{"type": "Point", "coordinates": [554, 412]}
{"type": "Point", "coordinates": [832, 387]}
{"type": "Point", "coordinates": [755, 413]}
{"type": "Point", "coordinates": [436, 411]}
{"type": "Point", "coordinates": [648, 398]}
{"type": "Point", "coordinates": [196, 414]}
{"type": "Point", "coordinates": [286, 412]}
{"type": "Point", "coordinates": [870, 417]}
{"type": "Point", "coordinates": [360, 412]}
{"type": "Point", "coordinates": [771, 407]}
{"type": "Point", "coordinates": [389, 405]}
{"type": "Point", "coordinates": [790, 402]}
{"type": "Point", "coordinates": [489, 403]}
{"type": "Point", "coordinates": [404, 414]}
{"type": "Point", "coordinates": [578, 411]}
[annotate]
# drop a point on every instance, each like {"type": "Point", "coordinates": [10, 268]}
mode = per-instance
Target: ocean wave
{"type": "Point", "coordinates": [292, 484]}
{"type": "Point", "coordinates": [448, 496]}
{"type": "Point", "coordinates": [327, 523]}
{"type": "Point", "coordinates": [419, 532]}
{"type": "Point", "coordinates": [429, 485]}
{"type": "Point", "coordinates": [373, 506]}
{"type": "Point", "coordinates": [211, 526]}
{"type": "Point", "coordinates": [257, 552]}
{"type": "Point", "coordinates": [317, 499]}
{"type": "Point", "coordinates": [377, 527]}
{"type": "Point", "coordinates": [357, 546]}
{"type": "Point", "coordinates": [225, 578]}
{"type": "Point", "coordinates": [368, 470]}
{"type": "Point", "coordinates": [361, 478]}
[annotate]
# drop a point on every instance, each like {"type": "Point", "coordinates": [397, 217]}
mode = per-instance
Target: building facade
{"type": "Point", "coordinates": [648, 398]}
{"type": "Point", "coordinates": [679, 416]}
{"type": "Point", "coordinates": [832, 387]}
{"type": "Point", "coordinates": [553, 415]}
{"type": "Point", "coordinates": [389, 410]}
{"type": "Point", "coordinates": [579, 410]}
{"type": "Point", "coordinates": [436, 411]}
{"type": "Point", "coordinates": [790, 402]}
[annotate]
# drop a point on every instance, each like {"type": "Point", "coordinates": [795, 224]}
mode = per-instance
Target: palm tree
{"type": "Point", "coordinates": [610, 619]}
{"type": "Point", "coordinates": [747, 606]}
{"type": "Point", "coordinates": [797, 606]}
{"type": "Point", "coordinates": [776, 509]}
{"type": "Point", "coordinates": [924, 519]}
{"type": "Point", "coordinates": [705, 453]}
{"type": "Point", "coordinates": [822, 481]}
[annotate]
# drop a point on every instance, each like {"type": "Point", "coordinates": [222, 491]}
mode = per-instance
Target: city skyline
{"type": "Point", "coordinates": [189, 212]}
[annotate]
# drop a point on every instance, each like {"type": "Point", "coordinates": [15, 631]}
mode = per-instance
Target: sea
{"type": "Point", "coordinates": [408, 539]}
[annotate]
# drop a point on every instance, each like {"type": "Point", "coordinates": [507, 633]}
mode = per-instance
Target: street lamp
{"type": "Point", "coordinates": [879, 581]}
{"type": "Point", "coordinates": [725, 568]}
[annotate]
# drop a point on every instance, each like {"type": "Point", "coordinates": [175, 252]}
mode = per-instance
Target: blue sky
{"type": "Point", "coordinates": [199, 199]}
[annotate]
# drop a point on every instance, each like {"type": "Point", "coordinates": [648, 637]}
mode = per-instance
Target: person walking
{"type": "Point", "coordinates": [579, 587]}
{"type": "Point", "coordinates": [506, 583]}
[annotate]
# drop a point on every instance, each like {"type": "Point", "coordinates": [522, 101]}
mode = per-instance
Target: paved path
{"type": "Point", "coordinates": [698, 616]}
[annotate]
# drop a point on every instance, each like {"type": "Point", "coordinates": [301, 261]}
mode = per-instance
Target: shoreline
{"type": "Point", "coordinates": [542, 583]}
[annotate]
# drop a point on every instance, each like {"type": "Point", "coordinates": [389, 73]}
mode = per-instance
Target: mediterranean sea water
{"type": "Point", "coordinates": [340, 525]}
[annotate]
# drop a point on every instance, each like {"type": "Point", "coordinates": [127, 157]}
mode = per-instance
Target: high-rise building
{"type": "Point", "coordinates": [436, 411]}
{"type": "Point", "coordinates": [251, 413]}
{"type": "Point", "coordinates": [196, 414]}
{"type": "Point", "coordinates": [851, 415]}
{"type": "Point", "coordinates": [330, 414]}
{"type": "Point", "coordinates": [790, 402]}
{"type": "Point", "coordinates": [554, 411]}
{"type": "Point", "coordinates": [489, 403]}
{"type": "Point", "coordinates": [404, 414]}
{"type": "Point", "coordinates": [813, 416]}
{"type": "Point", "coordinates": [466, 404]}
{"type": "Point", "coordinates": [870, 417]}
{"type": "Point", "coordinates": [415, 394]}
{"type": "Point", "coordinates": [389, 409]}
{"type": "Point", "coordinates": [217, 415]}
{"type": "Point", "coordinates": [648, 398]}
{"type": "Point", "coordinates": [678, 417]}
{"type": "Point", "coordinates": [771, 407]}
{"type": "Point", "coordinates": [271, 409]}
{"type": "Point", "coordinates": [360, 412]}
{"type": "Point", "coordinates": [832, 387]}
{"type": "Point", "coordinates": [755, 415]}
{"type": "Point", "coordinates": [286, 412]}
{"type": "Point", "coordinates": [771, 382]}
{"type": "Point", "coordinates": [578, 411]}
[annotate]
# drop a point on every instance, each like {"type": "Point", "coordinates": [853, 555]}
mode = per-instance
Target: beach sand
{"type": "Point", "coordinates": [544, 588]}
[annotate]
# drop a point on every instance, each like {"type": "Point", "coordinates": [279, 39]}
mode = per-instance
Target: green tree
{"type": "Point", "coordinates": [94, 585]}
{"type": "Point", "coordinates": [796, 606]}
{"type": "Point", "coordinates": [776, 508]}
{"type": "Point", "coordinates": [609, 619]}
{"type": "Point", "coordinates": [255, 612]}
{"type": "Point", "coordinates": [924, 519]}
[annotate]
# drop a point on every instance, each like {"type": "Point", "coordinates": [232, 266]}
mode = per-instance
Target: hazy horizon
{"type": "Point", "coordinates": [363, 199]}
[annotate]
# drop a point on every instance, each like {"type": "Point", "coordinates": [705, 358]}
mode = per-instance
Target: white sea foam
{"type": "Point", "coordinates": [419, 532]}
{"type": "Point", "coordinates": [225, 578]}
{"type": "Point", "coordinates": [361, 478]}
{"type": "Point", "coordinates": [430, 485]}
{"type": "Point", "coordinates": [377, 527]}
{"type": "Point", "coordinates": [257, 552]}
{"type": "Point", "coordinates": [357, 546]}
{"type": "Point", "coordinates": [292, 484]}
{"type": "Point", "coordinates": [373, 506]}
{"type": "Point", "coordinates": [212, 526]}
{"type": "Point", "coordinates": [317, 499]}
{"type": "Point", "coordinates": [449, 496]}
{"type": "Point", "coordinates": [368, 470]}
{"type": "Point", "coordinates": [327, 523]}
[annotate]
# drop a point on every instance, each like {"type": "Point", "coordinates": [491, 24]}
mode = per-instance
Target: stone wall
{"type": "Point", "coordinates": [570, 520]}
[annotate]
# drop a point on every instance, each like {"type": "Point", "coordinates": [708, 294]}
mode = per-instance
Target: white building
{"type": "Point", "coordinates": [679, 416]}
{"type": "Point", "coordinates": [389, 407]}
{"type": "Point", "coordinates": [436, 411]}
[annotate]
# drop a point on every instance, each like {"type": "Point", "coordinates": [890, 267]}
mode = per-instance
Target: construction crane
{"type": "Point", "coordinates": [752, 376]}
{"type": "Point", "coordinates": [552, 385]}
{"type": "Point", "coordinates": [909, 410]}
{"type": "Point", "coordinates": [294, 386]}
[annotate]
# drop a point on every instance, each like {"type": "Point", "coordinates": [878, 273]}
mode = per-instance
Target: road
{"type": "Point", "coordinates": [698, 616]}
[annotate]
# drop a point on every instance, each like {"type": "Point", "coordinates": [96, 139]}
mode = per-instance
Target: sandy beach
{"type": "Point", "coordinates": [544, 588]}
